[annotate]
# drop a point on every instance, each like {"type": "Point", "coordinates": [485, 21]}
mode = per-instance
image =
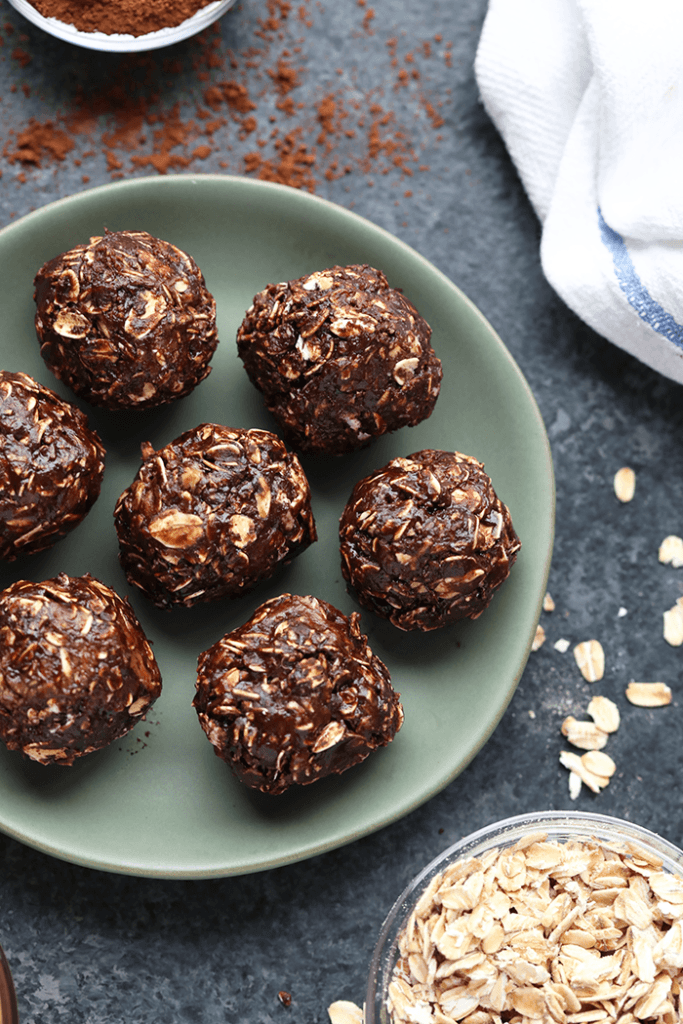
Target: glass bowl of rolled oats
{"type": "Point", "coordinates": [559, 917]}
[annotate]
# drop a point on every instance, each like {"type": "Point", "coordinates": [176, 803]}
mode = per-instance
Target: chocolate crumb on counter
{"type": "Point", "coordinates": [125, 320]}
{"type": "Point", "coordinates": [76, 670]}
{"type": "Point", "coordinates": [340, 358]}
{"type": "Point", "coordinates": [211, 514]}
{"type": "Point", "coordinates": [51, 466]}
{"type": "Point", "coordinates": [295, 694]}
{"type": "Point", "coordinates": [425, 540]}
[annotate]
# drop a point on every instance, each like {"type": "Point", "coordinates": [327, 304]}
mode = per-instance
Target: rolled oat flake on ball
{"type": "Point", "coordinates": [125, 320]}
{"type": "Point", "coordinates": [340, 358]}
{"type": "Point", "coordinates": [425, 540]}
{"type": "Point", "coordinates": [76, 669]}
{"type": "Point", "coordinates": [212, 514]}
{"type": "Point", "coordinates": [295, 694]}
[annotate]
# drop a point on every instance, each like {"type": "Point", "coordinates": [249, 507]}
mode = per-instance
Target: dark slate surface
{"type": "Point", "coordinates": [92, 947]}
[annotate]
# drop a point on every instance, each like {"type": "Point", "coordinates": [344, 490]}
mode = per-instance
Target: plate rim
{"type": "Point", "coordinates": [311, 849]}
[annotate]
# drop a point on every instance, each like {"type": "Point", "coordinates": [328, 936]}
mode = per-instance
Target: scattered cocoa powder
{"type": "Point", "coordinates": [38, 142]}
{"type": "Point", "coordinates": [21, 56]}
{"type": "Point", "coordinates": [129, 17]}
{"type": "Point", "coordinates": [253, 94]}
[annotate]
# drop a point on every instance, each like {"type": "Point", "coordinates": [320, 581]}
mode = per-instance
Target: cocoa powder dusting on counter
{"type": "Point", "coordinates": [128, 17]}
{"type": "Point", "coordinates": [239, 112]}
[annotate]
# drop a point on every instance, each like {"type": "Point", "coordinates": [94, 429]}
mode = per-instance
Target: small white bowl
{"type": "Point", "coordinates": [125, 43]}
{"type": "Point", "coordinates": [559, 826]}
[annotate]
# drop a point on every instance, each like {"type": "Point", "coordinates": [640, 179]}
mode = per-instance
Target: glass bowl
{"type": "Point", "coordinates": [558, 826]}
{"type": "Point", "coordinates": [125, 43]}
{"type": "Point", "coordinates": [8, 999]}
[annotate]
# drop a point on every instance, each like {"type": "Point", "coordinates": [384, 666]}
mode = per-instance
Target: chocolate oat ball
{"type": "Point", "coordinates": [425, 541]}
{"type": "Point", "coordinates": [340, 358]}
{"type": "Point", "coordinates": [211, 514]}
{"type": "Point", "coordinates": [125, 320]}
{"type": "Point", "coordinates": [51, 466]}
{"type": "Point", "coordinates": [76, 671]}
{"type": "Point", "coordinates": [295, 694]}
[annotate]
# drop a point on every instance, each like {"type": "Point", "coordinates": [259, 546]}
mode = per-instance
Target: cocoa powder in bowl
{"type": "Point", "coordinates": [126, 17]}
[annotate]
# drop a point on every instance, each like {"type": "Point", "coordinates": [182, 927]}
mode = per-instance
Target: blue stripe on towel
{"type": "Point", "coordinates": [634, 289]}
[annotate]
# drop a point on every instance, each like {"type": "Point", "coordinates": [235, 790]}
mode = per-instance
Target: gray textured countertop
{"type": "Point", "coordinates": [424, 162]}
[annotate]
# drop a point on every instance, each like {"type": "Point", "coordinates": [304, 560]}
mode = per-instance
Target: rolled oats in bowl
{"type": "Point", "coordinates": [553, 917]}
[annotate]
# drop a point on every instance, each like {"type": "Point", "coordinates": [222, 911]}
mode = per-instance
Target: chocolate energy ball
{"type": "Point", "coordinates": [76, 671]}
{"type": "Point", "coordinates": [125, 320]}
{"type": "Point", "coordinates": [425, 541]}
{"type": "Point", "coordinates": [211, 514]}
{"type": "Point", "coordinates": [340, 358]}
{"type": "Point", "coordinates": [51, 466]}
{"type": "Point", "coordinates": [295, 694]}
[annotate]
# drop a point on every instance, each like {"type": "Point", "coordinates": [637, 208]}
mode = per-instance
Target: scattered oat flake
{"type": "Point", "coordinates": [344, 1012]}
{"type": "Point", "coordinates": [598, 762]}
{"type": "Point", "coordinates": [585, 735]}
{"type": "Point", "coordinates": [574, 786]}
{"type": "Point", "coordinates": [573, 762]}
{"type": "Point", "coordinates": [562, 645]}
{"type": "Point", "coordinates": [624, 483]}
{"type": "Point", "coordinates": [590, 658]}
{"type": "Point", "coordinates": [622, 612]}
{"type": "Point", "coordinates": [673, 624]}
{"type": "Point", "coordinates": [548, 603]}
{"type": "Point", "coordinates": [671, 551]}
{"type": "Point", "coordinates": [604, 713]}
{"type": "Point", "coordinates": [648, 695]}
{"type": "Point", "coordinates": [539, 638]}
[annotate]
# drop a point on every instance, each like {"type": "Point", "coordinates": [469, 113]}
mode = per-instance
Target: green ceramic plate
{"type": "Point", "coordinates": [159, 802]}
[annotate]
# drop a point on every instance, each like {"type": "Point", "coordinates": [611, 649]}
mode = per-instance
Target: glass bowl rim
{"type": "Point", "coordinates": [506, 832]}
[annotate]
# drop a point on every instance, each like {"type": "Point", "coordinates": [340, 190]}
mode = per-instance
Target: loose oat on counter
{"type": "Point", "coordinates": [604, 713]}
{"type": "Point", "coordinates": [581, 769]}
{"type": "Point", "coordinates": [671, 551]}
{"type": "Point", "coordinates": [539, 638]}
{"type": "Point", "coordinates": [568, 932]}
{"type": "Point", "coordinates": [590, 658]}
{"type": "Point", "coordinates": [594, 768]}
{"type": "Point", "coordinates": [586, 735]}
{"type": "Point", "coordinates": [344, 1012]}
{"type": "Point", "coordinates": [648, 695]}
{"type": "Point", "coordinates": [625, 484]}
{"type": "Point", "coordinates": [673, 624]}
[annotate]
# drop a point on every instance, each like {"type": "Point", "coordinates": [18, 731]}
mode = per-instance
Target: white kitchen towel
{"type": "Point", "coordinates": [588, 97]}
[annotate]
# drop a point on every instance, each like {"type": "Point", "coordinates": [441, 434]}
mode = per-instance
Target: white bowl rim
{"type": "Point", "coordinates": [121, 43]}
